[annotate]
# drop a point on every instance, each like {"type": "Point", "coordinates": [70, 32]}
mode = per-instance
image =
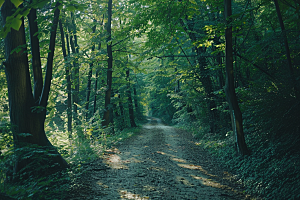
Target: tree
{"type": "Point", "coordinates": [88, 91]}
{"type": "Point", "coordinates": [68, 78]}
{"type": "Point", "coordinates": [235, 112]}
{"type": "Point", "coordinates": [27, 108]}
{"type": "Point", "coordinates": [287, 50]}
{"type": "Point", "coordinates": [130, 103]}
{"type": "Point", "coordinates": [106, 117]}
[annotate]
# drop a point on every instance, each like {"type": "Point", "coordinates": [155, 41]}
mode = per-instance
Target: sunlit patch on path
{"type": "Point", "coordinates": [124, 194]}
{"type": "Point", "coordinates": [115, 161]}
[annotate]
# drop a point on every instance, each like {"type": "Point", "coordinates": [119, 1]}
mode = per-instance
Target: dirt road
{"type": "Point", "coordinates": [161, 163]}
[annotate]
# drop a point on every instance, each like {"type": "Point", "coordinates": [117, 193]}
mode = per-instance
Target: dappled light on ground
{"type": "Point", "coordinates": [184, 181]}
{"type": "Point", "coordinates": [195, 167]}
{"type": "Point", "coordinates": [124, 194]}
{"type": "Point", "coordinates": [203, 180]}
{"type": "Point", "coordinates": [115, 162]}
{"type": "Point", "coordinates": [160, 163]}
{"type": "Point", "coordinates": [102, 184]}
{"type": "Point", "coordinates": [178, 160]}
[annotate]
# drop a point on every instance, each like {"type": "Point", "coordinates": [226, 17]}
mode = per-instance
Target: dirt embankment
{"type": "Point", "coordinates": [160, 163]}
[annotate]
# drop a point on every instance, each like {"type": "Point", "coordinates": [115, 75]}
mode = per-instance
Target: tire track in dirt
{"type": "Point", "coordinates": [159, 163]}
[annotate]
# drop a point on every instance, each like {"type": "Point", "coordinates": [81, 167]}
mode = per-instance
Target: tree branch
{"type": "Point", "coordinates": [120, 41]}
{"type": "Point", "coordinates": [48, 76]}
{"type": "Point", "coordinates": [255, 65]}
{"type": "Point", "coordinates": [185, 56]}
{"type": "Point", "coordinates": [36, 57]}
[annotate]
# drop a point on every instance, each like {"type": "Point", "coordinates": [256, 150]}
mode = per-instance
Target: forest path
{"type": "Point", "coordinates": [160, 163]}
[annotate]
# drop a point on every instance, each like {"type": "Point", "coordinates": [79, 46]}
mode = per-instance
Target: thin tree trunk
{"type": "Point", "coordinates": [76, 76]}
{"type": "Point", "coordinates": [68, 78]}
{"type": "Point", "coordinates": [69, 87]}
{"type": "Point", "coordinates": [89, 83]}
{"type": "Point", "coordinates": [76, 82]}
{"type": "Point", "coordinates": [204, 76]}
{"type": "Point", "coordinates": [208, 87]}
{"type": "Point", "coordinates": [96, 83]}
{"type": "Point", "coordinates": [235, 112]}
{"type": "Point", "coordinates": [130, 105]}
{"type": "Point", "coordinates": [287, 49]}
{"type": "Point", "coordinates": [96, 92]}
{"type": "Point", "coordinates": [123, 125]}
{"type": "Point", "coordinates": [36, 57]}
{"type": "Point", "coordinates": [135, 99]}
{"type": "Point", "coordinates": [75, 50]}
{"type": "Point", "coordinates": [106, 117]}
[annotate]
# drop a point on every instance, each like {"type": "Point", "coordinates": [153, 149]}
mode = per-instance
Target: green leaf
{"type": "Point", "coordinates": [60, 7]}
{"type": "Point", "coordinates": [26, 12]}
{"type": "Point", "coordinates": [16, 24]}
{"type": "Point", "coordinates": [1, 2]}
{"type": "Point", "coordinates": [17, 2]}
{"type": "Point", "coordinates": [39, 3]}
{"type": "Point", "coordinates": [71, 8]}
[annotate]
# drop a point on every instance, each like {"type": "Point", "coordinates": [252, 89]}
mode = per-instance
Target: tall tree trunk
{"type": "Point", "coordinates": [68, 78]}
{"type": "Point", "coordinates": [88, 91]}
{"type": "Point", "coordinates": [106, 117]}
{"type": "Point", "coordinates": [96, 83]}
{"type": "Point", "coordinates": [208, 88]}
{"type": "Point", "coordinates": [75, 50]}
{"type": "Point", "coordinates": [123, 125]}
{"type": "Point", "coordinates": [75, 78]}
{"type": "Point", "coordinates": [235, 112]}
{"type": "Point", "coordinates": [96, 92]}
{"type": "Point", "coordinates": [89, 83]}
{"type": "Point", "coordinates": [28, 112]}
{"type": "Point", "coordinates": [69, 88]}
{"type": "Point", "coordinates": [130, 105]}
{"type": "Point", "coordinates": [204, 76]}
{"type": "Point", "coordinates": [36, 57]}
{"type": "Point", "coordinates": [136, 104]}
{"type": "Point", "coordinates": [287, 50]}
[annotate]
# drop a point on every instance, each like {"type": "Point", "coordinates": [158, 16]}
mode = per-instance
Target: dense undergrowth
{"type": "Point", "coordinates": [270, 172]}
{"type": "Point", "coordinates": [75, 151]}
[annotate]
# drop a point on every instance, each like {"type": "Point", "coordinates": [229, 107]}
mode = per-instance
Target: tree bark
{"type": "Point", "coordinates": [130, 104]}
{"type": "Point", "coordinates": [89, 83]}
{"type": "Point", "coordinates": [204, 76]}
{"type": "Point", "coordinates": [123, 125]}
{"type": "Point", "coordinates": [106, 118]}
{"type": "Point", "coordinates": [136, 104]}
{"type": "Point", "coordinates": [235, 112]}
{"type": "Point", "coordinates": [76, 66]}
{"type": "Point", "coordinates": [96, 92]}
{"type": "Point", "coordinates": [36, 57]}
{"type": "Point", "coordinates": [27, 115]}
{"type": "Point", "coordinates": [287, 50]}
{"type": "Point", "coordinates": [68, 78]}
